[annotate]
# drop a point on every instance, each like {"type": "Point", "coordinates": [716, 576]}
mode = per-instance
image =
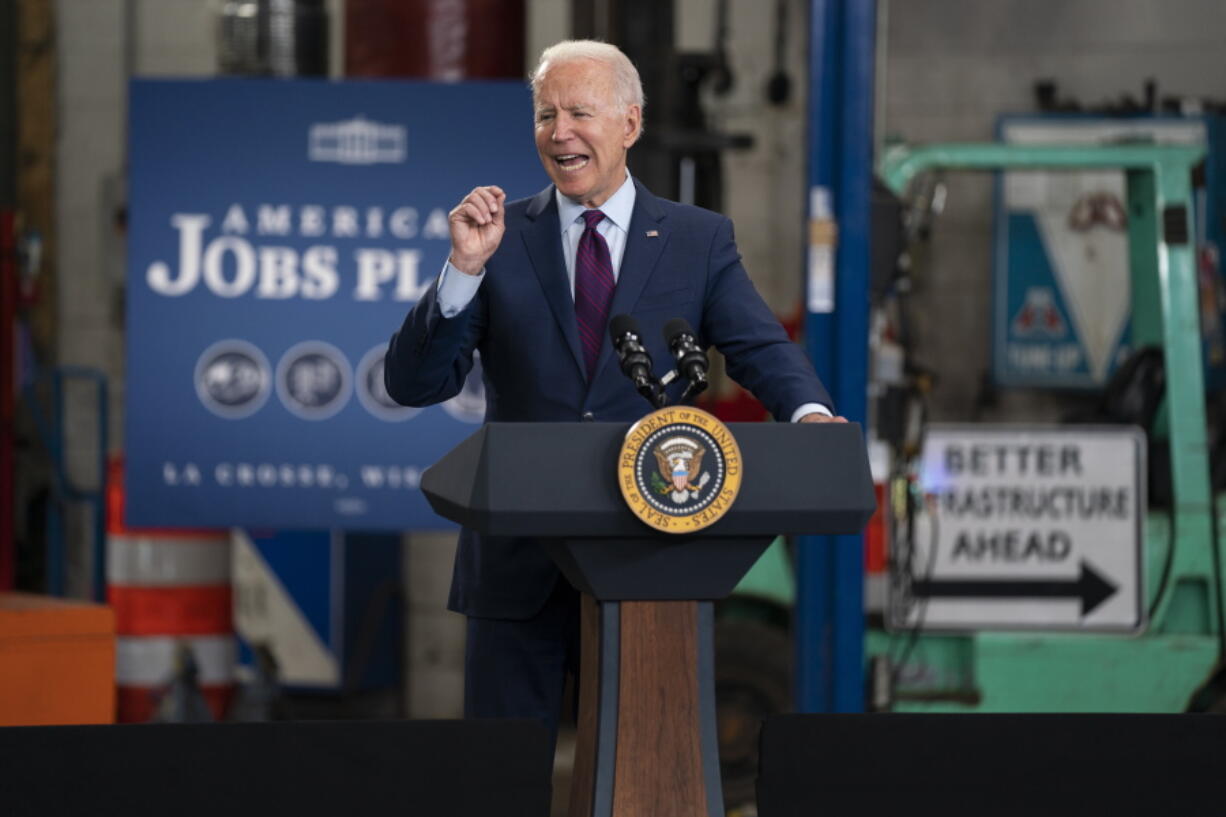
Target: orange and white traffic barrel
{"type": "Point", "coordinates": [170, 590]}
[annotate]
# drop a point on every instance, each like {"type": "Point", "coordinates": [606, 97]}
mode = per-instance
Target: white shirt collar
{"type": "Point", "coordinates": [618, 208]}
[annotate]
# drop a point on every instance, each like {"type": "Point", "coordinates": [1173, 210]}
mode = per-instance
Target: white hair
{"type": "Point", "coordinates": [626, 80]}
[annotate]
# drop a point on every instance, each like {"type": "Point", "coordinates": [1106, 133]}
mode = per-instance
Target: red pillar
{"type": "Point", "coordinates": [447, 40]}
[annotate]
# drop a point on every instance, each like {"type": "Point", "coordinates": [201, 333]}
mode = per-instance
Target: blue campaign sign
{"type": "Point", "coordinates": [279, 231]}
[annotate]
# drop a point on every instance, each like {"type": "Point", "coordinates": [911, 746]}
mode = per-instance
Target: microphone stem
{"type": "Point", "coordinates": [695, 387]}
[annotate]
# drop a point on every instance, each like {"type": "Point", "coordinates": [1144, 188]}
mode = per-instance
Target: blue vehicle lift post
{"type": "Point", "coordinates": [829, 629]}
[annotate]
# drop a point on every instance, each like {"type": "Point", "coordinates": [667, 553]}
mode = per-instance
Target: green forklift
{"type": "Point", "coordinates": [1175, 663]}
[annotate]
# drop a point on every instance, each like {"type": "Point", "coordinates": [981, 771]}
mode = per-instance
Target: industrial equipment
{"type": "Point", "coordinates": [1174, 662]}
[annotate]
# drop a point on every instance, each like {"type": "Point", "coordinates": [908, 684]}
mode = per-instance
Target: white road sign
{"type": "Point", "coordinates": [1025, 528]}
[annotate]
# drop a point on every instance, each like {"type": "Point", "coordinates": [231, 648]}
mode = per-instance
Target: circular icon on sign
{"type": "Point", "coordinates": [232, 379]}
{"type": "Point", "coordinates": [469, 405]}
{"type": "Point", "coordinates": [372, 393]}
{"type": "Point", "coordinates": [313, 380]}
{"type": "Point", "coordinates": [679, 469]}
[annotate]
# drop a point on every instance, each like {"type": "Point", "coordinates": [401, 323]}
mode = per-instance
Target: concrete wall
{"type": "Point", "coordinates": [548, 21]}
{"type": "Point", "coordinates": [100, 42]}
{"type": "Point", "coordinates": [434, 650]}
{"type": "Point", "coordinates": [763, 185]}
{"type": "Point", "coordinates": [952, 66]}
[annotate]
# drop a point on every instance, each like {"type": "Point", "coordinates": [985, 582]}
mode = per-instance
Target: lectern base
{"type": "Point", "coordinates": [647, 742]}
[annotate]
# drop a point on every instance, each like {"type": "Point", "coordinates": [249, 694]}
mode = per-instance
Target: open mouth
{"type": "Point", "coordinates": [572, 161]}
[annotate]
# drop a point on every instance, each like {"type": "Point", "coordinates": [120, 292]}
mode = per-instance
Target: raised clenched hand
{"type": "Point", "coordinates": [476, 226]}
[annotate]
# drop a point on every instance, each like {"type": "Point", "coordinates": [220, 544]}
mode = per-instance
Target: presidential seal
{"type": "Point", "coordinates": [679, 469]}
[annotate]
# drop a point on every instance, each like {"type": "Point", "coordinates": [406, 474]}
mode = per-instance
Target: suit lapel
{"type": "Point", "coordinates": [639, 259]}
{"type": "Point", "coordinates": [543, 239]}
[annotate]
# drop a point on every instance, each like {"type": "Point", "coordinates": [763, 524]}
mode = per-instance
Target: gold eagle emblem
{"type": "Point", "coordinates": [680, 462]}
{"type": "Point", "coordinates": [696, 473]}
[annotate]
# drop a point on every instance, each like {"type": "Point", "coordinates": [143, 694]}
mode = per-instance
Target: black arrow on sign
{"type": "Point", "coordinates": [1090, 587]}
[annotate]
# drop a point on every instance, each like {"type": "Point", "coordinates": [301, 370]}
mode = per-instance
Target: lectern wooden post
{"type": "Point", "coordinates": [647, 742]}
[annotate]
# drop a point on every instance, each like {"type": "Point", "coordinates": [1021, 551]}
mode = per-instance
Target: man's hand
{"type": "Point", "coordinates": [476, 228]}
{"type": "Point", "coordinates": [818, 417]}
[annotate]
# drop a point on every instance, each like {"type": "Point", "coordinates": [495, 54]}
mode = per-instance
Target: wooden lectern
{"type": "Point", "coordinates": [647, 742]}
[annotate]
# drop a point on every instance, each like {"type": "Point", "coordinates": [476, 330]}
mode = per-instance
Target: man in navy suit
{"type": "Point", "coordinates": [530, 286]}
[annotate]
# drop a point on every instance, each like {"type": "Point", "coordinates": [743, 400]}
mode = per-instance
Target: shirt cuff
{"type": "Point", "coordinates": [456, 289]}
{"type": "Point", "coordinates": [807, 408]}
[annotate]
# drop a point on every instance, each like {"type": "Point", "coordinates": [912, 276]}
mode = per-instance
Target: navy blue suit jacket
{"type": "Point", "coordinates": [679, 261]}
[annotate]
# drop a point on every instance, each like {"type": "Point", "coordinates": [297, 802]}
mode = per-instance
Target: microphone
{"type": "Point", "coordinates": [691, 359]}
{"type": "Point", "coordinates": [633, 357]}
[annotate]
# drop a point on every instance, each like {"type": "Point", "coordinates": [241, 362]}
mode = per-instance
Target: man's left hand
{"type": "Point", "coordinates": [818, 417]}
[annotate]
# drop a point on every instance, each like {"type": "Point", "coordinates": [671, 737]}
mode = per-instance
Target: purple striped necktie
{"type": "Point", "coordinates": [593, 289]}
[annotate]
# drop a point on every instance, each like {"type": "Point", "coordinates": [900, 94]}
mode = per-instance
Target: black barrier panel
{"type": "Point", "coordinates": [436, 768]}
{"type": "Point", "coordinates": [992, 765]}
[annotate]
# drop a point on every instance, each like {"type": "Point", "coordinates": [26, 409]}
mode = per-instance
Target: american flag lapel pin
{"type": "Point", "coordinates": [653, 233]}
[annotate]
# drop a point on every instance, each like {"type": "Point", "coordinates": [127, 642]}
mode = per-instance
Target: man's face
{"type": "Point", "coordinates": [582, 133]}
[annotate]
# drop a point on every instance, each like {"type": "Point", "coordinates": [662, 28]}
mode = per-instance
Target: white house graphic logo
{"type": "Point", "coordinates": [358, 141]}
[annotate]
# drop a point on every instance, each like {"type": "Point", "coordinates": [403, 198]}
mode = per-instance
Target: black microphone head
{"type": "Point", "coordinates": [621, 324]}
{"type": "Point", "coordinates": [675, 327]}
